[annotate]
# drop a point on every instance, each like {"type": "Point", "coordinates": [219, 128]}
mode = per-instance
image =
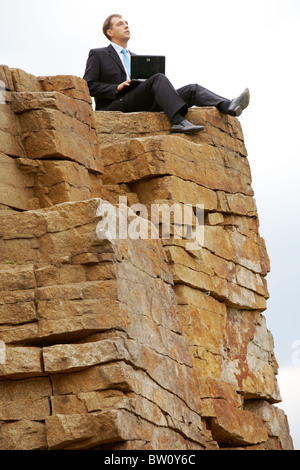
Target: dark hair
{"type": "Point", "coordinates": [107, 23]}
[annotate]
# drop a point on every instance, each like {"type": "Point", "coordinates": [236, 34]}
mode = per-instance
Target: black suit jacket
{"type": "Point", "coordinates": [104, 72]}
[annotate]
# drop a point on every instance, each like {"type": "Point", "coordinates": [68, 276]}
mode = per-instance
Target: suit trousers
{"type": "Point", "coordinates": [158, 94]}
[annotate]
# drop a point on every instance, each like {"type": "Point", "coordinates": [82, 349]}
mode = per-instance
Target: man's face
{"type": "Point", "coordinates": [119, 30]}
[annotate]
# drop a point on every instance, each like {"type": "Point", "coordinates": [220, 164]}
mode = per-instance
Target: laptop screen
{"type": "Point", "coordinates": [144, 66]}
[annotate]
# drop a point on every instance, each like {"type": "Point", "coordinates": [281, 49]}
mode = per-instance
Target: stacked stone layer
{"type": "Point", "coordinates": [128, 343]}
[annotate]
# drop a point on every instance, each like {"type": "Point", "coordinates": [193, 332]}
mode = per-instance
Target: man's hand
{"type": "Point", "coordinates": [123, 85]}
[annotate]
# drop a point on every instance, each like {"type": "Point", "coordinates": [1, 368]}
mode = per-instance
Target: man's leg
{"type": "Point", "coordinates": [196, 95]}
{"type": "Point", "coordinates": [158, 94]}
{"type": "Point", "coordinates": [155, 94]}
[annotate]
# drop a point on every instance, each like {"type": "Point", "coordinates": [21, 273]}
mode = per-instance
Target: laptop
{"type": "Point", "coordinates": [144, 66]}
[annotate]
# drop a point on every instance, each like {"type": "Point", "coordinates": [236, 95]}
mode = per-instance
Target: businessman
{"type": "Point", "coordinates": [108, 77]}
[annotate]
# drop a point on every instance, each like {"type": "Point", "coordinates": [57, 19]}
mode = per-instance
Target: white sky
{"type": "Point", "coordinates": [224, 46]}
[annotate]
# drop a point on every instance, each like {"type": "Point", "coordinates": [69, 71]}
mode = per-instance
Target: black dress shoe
{"type": "Point", "coordinates": [185, 127]}
{"type": "Point", "coordinates": [238, 105]}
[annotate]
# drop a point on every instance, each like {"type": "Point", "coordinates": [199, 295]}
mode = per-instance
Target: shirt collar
{"type": "Point", "coordinates": [117, 47]}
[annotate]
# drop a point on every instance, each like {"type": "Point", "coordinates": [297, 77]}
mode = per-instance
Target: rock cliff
{"type": "Point", "coordinates": [136, 341]}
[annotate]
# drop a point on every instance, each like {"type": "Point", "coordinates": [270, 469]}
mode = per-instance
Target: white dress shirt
{"type": "Point", "coordinates": [119, 49]}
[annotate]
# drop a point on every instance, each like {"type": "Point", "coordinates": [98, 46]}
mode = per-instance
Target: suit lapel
{"type": "Point", "coordinates": [115, 56]}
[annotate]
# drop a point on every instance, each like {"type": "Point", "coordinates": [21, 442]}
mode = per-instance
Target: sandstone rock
{"type": "Point", "coordinates": [24, 81]}
{"type": "Point", "coordinates": [62, 181]}
{"type": "Point", "coordinates": [35, 410]}
{"type": "Point", "coordinates": [48, 133]}
{"type": "Point", "coordinates": [15, 188]}
{"type": "Point", "coordinates": [200, 163]}
{"type": "Point", "coordinates": [219, 130]}
{"type": "Point", "coordinates": [275, 422]}
{"type": "Point", "coordinates": [207, 315]}
{"type": "Point", "coordinates": [6, 77]}
{"type": "Point", "coordinates": [23, 435]}
{"type": "Point", "coordinates": [10, 131]}
{"type": "Point", "coordinates": [15, 277]}
{"type": "Point", "coordinates": [46, 118]}
{"type": "Point", "coordinates": [71, 86]}
{"type": "Point", "coordinates": [22, 362]}
{"type": "Point", "coordinates": [138, 335]}
{"type": "Point", "coordinates": [82, 431]}
{"type": "Point", "coordinates": [71, 357]}
{"type": "Point", "coordinates": [234, 427]}
{"type": "Point", "coordinates": [13, 314]}
{"type": "Point", "coordinates": [256, 377]}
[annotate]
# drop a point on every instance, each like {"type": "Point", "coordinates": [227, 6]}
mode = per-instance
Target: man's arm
{"type": "Point", "coordinates": [92, 76]}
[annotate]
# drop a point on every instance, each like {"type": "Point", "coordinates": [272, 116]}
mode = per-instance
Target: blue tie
{"type": "Point", "coordinates": [126, 61]}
